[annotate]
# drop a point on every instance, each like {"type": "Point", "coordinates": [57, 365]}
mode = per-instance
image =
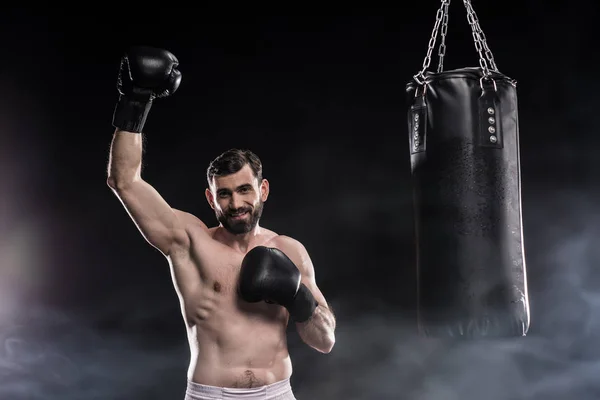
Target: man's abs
{"type": "Point", "coordinates": [233, 343]}
{"type": "Point", "coordinates": [244, 351]}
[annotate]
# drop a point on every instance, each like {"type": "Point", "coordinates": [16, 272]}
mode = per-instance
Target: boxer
{"type": "Point", "coordinates": [238, 283]}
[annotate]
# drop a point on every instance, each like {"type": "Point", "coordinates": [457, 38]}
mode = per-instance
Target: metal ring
{"type": "Point", "coordinates": [417, 90]}
{"type": "Point", "coordinates": [417, 78]}
{"type": "Point", "coordinates": [487, 77]}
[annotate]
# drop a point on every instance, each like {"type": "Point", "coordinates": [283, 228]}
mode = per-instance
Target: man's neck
{"type": "Point", "coordinates": [240, 242]}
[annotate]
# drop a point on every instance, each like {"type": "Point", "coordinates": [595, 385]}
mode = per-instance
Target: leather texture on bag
{"type": "Point", "coordinates": [464, 146]}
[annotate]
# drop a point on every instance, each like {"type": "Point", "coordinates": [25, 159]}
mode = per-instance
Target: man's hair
{"type": "Point", "coordinates": [231, 161]}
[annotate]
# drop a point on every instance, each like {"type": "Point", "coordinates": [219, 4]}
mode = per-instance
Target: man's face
{"type": "Point", "coordinates": [238, 200]}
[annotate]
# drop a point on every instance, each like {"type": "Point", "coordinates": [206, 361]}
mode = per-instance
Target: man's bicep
{"type": "Point", "coordinates": [308, 279]}
{"type": "Point", "coordinates": [158, 223]}
{"type": "Point", "coordinates": [307, 271]}
{"type": "Point", "coordinates": [296, 251]}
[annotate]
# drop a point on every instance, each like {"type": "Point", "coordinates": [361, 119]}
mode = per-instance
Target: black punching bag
{"type": "Point", "coordinates": [464, 149]}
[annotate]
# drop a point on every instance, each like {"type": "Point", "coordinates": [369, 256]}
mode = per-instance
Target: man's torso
{"type": "Point", "coordinates": [233, 343]}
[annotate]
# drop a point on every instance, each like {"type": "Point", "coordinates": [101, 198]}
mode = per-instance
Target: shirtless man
{"type": "Point", "coordinates": [238, 283]}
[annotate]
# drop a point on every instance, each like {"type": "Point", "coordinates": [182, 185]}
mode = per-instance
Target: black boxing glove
{"type": "Point", "coordinates": [146, 73]}
{"type": "Point", "coordinates": [267, 274]}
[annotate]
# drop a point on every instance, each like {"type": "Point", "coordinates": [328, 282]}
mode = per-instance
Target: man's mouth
{"type": "Point", "coordinates": [239, 214]}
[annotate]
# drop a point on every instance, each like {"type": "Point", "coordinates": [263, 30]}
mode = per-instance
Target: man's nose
{"type": "Point", "coordinates": [236, 202]}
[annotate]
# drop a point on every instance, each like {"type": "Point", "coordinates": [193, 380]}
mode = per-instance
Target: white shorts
{"type": "Point", "coordinates": [281, 390]}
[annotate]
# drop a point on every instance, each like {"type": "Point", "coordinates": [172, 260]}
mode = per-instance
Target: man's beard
{"type": "Point", "coordinates": [242, 226]}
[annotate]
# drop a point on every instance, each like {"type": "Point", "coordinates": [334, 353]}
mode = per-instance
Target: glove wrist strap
{"type": "Point", "coordinates": [303, 306]}
{"type": "Point", "coordinates": [130, 114]}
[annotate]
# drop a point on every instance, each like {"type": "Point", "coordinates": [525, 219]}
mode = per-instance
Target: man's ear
{"type": "Point", "coordinates": [210, 198]}
{"type": "Point", "coordinates": [264, 190]}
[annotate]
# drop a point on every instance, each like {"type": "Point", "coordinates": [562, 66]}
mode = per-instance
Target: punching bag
{"type": "Point", "coordinates": [464, 149]}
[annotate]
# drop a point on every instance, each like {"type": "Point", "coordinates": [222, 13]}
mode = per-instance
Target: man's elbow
{"type": "Point", "coordinates": [119, 184]}
{"type": "Point", "coordinates": [115, 183]}
{"type": "Point", "coordinates": [327, 345]}
{"type": "Point", "coordinates": [111, 182]}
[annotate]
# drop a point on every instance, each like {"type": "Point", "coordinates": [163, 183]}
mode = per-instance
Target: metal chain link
{"type": "Point", "coordinates": [488, 52]}
{"type": "Point", "coordinates": [441, 19]}
{"type": "Point", "coordinates": [420, 77]}
{"type": "Point", "coordinates": [442, 49]}
{"type": "Point", "coordinates": [481, 45]}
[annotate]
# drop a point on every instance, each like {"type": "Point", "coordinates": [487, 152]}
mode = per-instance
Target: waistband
{"type": "Point", "coordinates": [267, 392]}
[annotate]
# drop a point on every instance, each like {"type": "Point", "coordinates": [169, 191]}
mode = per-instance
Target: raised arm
{"type": "Point", "coordinates": [156, 220]}
{"type": "Point", "coordinates": [145, 74]}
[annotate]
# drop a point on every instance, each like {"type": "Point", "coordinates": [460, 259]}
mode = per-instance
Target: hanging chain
{"type": "Point", "coordinates": [442, 49]}
{"type": "Point", "coordinates": [420, 77]}
{"type": "Point", "coordinates": [480, 41]}
{"type": "Point", "coordinates": [488, 52]}
{"type": "Point", "coordinates": [486, 58]}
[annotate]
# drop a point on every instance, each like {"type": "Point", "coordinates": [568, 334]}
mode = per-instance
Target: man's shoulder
{"type": "Point", "coordinates": [190, 221]}
{"type": "Point", "coordinates": [287, 243]}
{"type": "Point", "coordinates": [294, 249]}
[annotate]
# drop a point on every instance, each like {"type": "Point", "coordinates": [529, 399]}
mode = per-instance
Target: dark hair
{"type": "Point", "coordinates": [233, 160]}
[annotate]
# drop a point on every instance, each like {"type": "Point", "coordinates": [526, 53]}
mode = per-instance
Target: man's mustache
{"type": "Point", "coordinates": [238, 211]}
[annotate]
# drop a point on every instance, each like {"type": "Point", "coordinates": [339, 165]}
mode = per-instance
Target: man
{"type": "Point", "coordinates": [238, 283]}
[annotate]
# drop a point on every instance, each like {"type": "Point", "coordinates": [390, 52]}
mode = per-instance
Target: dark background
{"type": "Point", "coordinates": [87, 308]}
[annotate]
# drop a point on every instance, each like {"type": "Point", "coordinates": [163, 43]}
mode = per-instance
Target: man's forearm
{"type": "Point", "coordinates": [125, 158]}
{"type": "Point", "coordinates": [319, 331]}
